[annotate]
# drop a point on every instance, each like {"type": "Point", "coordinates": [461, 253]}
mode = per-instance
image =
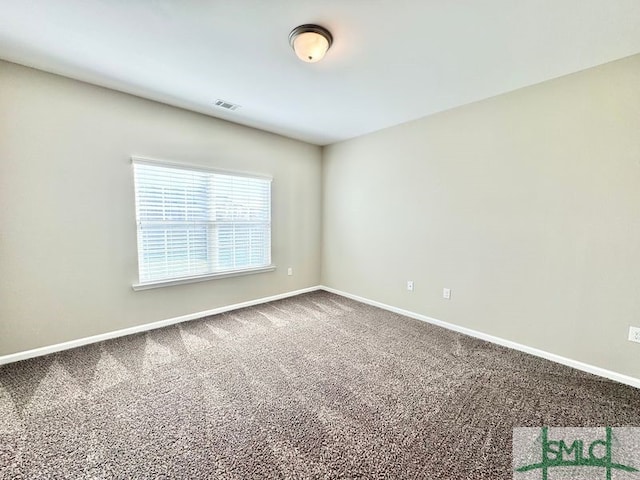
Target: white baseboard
{"type": "Point", "coordinates": [38, 352]}
{"type": "Point", "coordinates": [585, 367]}
{"type": "Point", "coordinates": [601, 372]}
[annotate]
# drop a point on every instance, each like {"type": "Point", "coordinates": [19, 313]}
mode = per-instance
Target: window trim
{"type": "Point", "coordinates": [134, 159]}
{"type": "Point", "coordinates": [201, 278]}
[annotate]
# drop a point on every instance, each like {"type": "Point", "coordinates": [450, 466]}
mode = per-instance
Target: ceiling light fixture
{"type": "Point", "coordinates": [310, 42]}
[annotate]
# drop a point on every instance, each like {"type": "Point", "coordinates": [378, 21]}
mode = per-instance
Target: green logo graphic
{"type": "Point", "coordinates": [580, 453]}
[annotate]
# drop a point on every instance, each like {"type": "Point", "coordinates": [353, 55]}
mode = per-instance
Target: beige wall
{"type": "Point", "coordinates": [526, 205]}
{"type": "Point", "coordinates": [67, 222]}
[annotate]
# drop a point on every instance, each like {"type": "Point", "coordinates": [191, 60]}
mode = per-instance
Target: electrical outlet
{"type": "Point", "coordinates": [289, 271]}
{"type": "Point", "coordinates": [410, 285]}
{"type": "Point", "coordinates": [446, 293]}
{"type": "Point", "coordinates": [634, 334]}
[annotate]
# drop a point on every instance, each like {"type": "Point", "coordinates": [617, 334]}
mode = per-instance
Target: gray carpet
{"type": "Point", "coordinates": [317, 386]}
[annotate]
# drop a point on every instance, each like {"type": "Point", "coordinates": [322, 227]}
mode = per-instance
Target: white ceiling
{"type": "Point", "coordinates": [392, 60]}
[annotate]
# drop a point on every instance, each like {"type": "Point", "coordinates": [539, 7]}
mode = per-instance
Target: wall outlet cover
{"type": "Point", "coordinates": [634, 334]}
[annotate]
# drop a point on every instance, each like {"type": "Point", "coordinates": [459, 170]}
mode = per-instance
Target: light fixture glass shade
{"type": "Point", "coordinates": [310, 42]}
{"type": "Point", "coordinates": [310, 46]}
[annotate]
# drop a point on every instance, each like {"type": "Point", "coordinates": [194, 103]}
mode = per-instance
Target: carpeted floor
{"type": "Point", "coordinates": [316, 386]}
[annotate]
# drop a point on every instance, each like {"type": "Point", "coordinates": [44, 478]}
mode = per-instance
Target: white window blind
{"type": "Point", "coordinates": [195, 222]}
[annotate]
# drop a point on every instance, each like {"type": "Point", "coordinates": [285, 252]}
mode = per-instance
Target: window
{"type": "Point", "coordinates": [195, 224]}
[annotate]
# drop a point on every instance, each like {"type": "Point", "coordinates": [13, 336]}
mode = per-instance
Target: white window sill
{"type": "Point", "coordinates": [201, 278]}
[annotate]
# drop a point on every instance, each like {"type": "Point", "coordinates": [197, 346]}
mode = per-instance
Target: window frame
{"type": "Point", "coordinates": [211, 275]}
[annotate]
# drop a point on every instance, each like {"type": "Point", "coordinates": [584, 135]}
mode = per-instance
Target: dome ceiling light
{"type": "Point", "coordinates": [310, 42]}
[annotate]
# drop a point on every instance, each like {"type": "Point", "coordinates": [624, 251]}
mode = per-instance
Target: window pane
{"type": "Point", "coordinates": [193, 222]}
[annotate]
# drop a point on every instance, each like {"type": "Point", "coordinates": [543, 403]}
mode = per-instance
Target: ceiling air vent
{"type": "Point", "coordinates": [226, 105]}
